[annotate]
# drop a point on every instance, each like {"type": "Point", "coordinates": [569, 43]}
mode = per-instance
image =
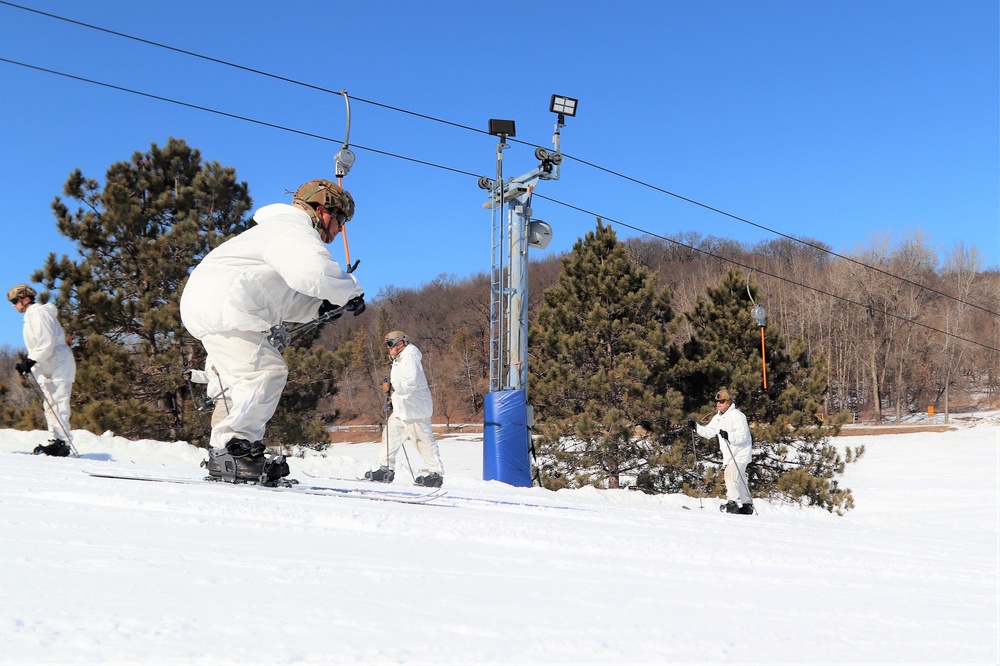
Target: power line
{"type": "Point", "coordinates": [606, 170]}
{"type": "Point", "coordinates": [468, 173]}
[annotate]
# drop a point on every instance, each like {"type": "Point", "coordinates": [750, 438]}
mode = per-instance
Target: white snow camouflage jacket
{"type": "Point", "coordinates": [277, 271]}
{"type": "Point", "coordinates": [411, 397]}
{"type": "Point", "coordinates": [46, 342]}
{"type": "Point", "coordinates": [735, 423]}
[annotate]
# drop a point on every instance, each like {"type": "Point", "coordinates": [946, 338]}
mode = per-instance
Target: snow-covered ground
{"type": "Point", "coordinates": [108, 571]}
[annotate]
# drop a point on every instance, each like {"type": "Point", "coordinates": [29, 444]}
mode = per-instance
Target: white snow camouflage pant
{"type": "Point", "coordinates": [255, 373]}
{"type": "Point", "coordinates": [417, 431]}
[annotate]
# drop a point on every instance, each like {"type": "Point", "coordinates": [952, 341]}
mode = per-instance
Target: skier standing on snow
{"type": "Point", "coordinates": [51, 363]}
{"type": "Point", "coordinates": [733, 431]}
{"type": "Point", "coordinates": [412, 408]}
{"type": "Point", "coordinates": [277, 271]}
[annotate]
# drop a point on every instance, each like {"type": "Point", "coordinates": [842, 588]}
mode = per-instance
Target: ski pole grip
{"type": "Point", "coordinates": [279, 337]}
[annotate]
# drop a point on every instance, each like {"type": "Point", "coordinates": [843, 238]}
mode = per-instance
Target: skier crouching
{"type": "Point", "coordinates": [277, 271]}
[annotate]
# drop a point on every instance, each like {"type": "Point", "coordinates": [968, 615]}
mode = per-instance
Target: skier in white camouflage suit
{"type": "Point", "coordinates": [277, 271]}
{"type": "Point", "coordinates": [412, 408]}
{"type": "Point", "coordinates": [736, 445]}
{"type": "Point", "coordinates": [50, 361]}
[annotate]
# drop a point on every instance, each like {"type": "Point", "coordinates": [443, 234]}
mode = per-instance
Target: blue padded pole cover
{"type": "Point", "coordinates": [506, 442]}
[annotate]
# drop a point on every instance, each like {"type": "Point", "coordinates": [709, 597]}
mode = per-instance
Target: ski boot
{"type": "Point", "coordinates": [55, 447]}
{"type": "Point", "coordinates": [381, 475]}
{"type": "Point", "coordinates": [731, 506]}
{"type": "Point", "coordinates": [747, 509]}
{"type": "Point", "coordinates": [242, 461]}
{"type": "Point", "coordinates": [432, 480]}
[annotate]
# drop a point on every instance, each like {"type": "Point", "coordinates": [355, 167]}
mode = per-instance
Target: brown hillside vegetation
{"type": "Point", "coordinates": [883, 338]}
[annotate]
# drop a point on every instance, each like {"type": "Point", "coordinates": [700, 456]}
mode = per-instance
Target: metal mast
{"type": "Point", "coordinates": [512, 234]}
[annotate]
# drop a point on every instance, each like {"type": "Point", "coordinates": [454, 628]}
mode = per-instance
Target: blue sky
{"type": "Point", "coordinates": [828, 120]}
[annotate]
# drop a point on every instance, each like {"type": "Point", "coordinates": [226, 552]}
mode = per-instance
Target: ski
{"type": "Point", "coordinates": [357, 493]}
{"type": "Point", "coordinates": [453, 499]}
{"type": "Point", "coordinates": [379, 487]}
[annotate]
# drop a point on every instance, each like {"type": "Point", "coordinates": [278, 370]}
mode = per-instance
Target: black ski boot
{"type": "Point", "coordinates": [55, 447]}
{"type": "Point", "coordinates": [242, 461]}
{"type": "Point", "coordinates": [747, 509]}
{"type": "Point", "coordinates": [432, 480]}
{"type": "Point", "coordinates": [381, 475]}
{"type": "Point", "coordinates": [731, 506]}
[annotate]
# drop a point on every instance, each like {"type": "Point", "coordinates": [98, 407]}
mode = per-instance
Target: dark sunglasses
{"type": "Point", "coordinates": [392, 343]}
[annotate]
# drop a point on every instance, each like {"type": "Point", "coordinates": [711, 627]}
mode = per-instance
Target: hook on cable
{"type": "Point", "coordinates": [749, 271]}
{"type": "Point", "coordinates": [344, 159]}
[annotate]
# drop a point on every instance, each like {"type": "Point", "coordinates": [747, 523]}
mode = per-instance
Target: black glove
{"type": "Point", "coordinates": [692, 425]}
{"type": "Point", "coordinates": [186, 375]}
{"type": "Point", "coordinates": [24, 366]}
{"type": "Point", "coordinates": [356, 305]}
{"type": "Point", "coordinates": [326, 307]}
{"type": "Point", "coordinates": [723, 434]}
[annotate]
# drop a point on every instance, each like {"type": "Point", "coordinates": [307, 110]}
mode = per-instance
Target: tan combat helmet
{"type": "Point", "coordinates": [393, 337]}
{"type": "Point", "coordinates": [19, 291]}
{"type": "Point", "coordinates": [332, 197]}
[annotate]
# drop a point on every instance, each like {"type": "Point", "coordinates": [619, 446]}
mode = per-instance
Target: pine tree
{"type": "Point", "coordinates": [793, 458]}
{"type": "Point", "coordinates": [137, 237]}
{"type": "Point", "coordinates": [598, 355]}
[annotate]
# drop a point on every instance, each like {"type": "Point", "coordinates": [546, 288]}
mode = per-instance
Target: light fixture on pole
{"type": "Point", "coordinates": [564, 106]}
{"type": "Point", "coordinates": [507, 415]}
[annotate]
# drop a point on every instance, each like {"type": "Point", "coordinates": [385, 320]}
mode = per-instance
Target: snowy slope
{"type": "Point", "coordinates": [110, 571]}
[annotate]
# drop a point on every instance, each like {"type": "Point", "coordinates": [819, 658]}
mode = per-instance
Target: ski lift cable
{"type": "Point", "coordinates": [234, 116]}
{"type": "Point", "coordinates": [764, 272]}
{"type": "Point", "coordinates": [474, 175]}
{"type": "Point", "coordinates": [397, 109]}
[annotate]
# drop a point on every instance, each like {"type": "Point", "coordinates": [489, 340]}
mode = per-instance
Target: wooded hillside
{"type": "Point", "coordinates": [907, 333]}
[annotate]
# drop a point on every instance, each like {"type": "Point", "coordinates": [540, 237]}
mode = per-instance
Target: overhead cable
{"type": "Point", "coordinates": [611, 172]}
{"type": "Point", "coordinates": [477, 176]}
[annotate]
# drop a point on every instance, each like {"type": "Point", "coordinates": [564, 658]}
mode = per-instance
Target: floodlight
{"type": "Point", "coordinates": [564, 106]}
{"type": "Point", "coordinates": [501, 127]}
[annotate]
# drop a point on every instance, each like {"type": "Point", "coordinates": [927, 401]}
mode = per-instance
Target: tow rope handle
{"type": "Point", "coordinates": [344, 160]}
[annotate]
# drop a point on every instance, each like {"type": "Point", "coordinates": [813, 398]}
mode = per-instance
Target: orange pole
{"type": "Point", "coordinates": [343, 232]}
{"type": "Point", "coordinates": [763, 361]}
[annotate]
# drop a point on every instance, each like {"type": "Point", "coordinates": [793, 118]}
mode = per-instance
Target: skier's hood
{"type": "Point", "coordinates": [411, 350]}
{"type": "Point", "coordinates": [283, 213]}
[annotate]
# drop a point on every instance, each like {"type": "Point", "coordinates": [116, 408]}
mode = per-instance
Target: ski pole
{"type": "Point", "coordinates": [387, 405]}
{"type": "Point", "coordinates": [222, 394]}
{"type": "Point", "coordinates": [402, 444]}
{"type": "Point", "coordinates": [48, 404]}
{"type": "Point", "coordinates": [742, 480]}
{"type": "Point", "coordinates": [281, 336]}
{"type": "Point", "coordinates": [694, 445]}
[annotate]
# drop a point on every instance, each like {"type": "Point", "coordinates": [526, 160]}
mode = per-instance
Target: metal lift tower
{"type": "Point", "coordinates": [507, 416]}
